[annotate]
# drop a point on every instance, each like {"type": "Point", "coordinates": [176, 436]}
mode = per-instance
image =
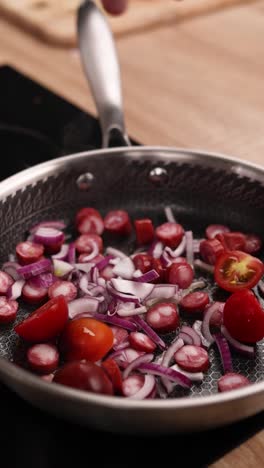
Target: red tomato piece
{"type": "Point", "coordinates": [213, 229]}
{"type": "Point", "coordinates": [43, 358]}
{"type": "Point", "coordinates": [112, 369]}
{"type": "Point", "coordinates": [118, 222]}
{"type": "Point", "coordinates": [170, 234]}
{"type": "Point", "coordinates": [144, 231]}
{"type": "Point", "coordinates": [253, 244]}
{"type": "Point", "coordinates": [143, 262]}
{"type": "Point", "coordinates": [194, 302]}
{"type": "Point", "coordinates": [29, 252]}
{"type": "Point", "coordinates": [232, 240]}
{"type": "Point", "coordinates": [210, 250]}
{"type": "Point", "coordinates": [86, 243]}
{"type": "Point", "coordinates": [46, 322]}
{"type": "Point", "coordinates": [84, 375]}
{"type": "Point", "coordinates": [86, 338]}
{"type": "Point", "coordinates": [192, 358]}
{"type": "Point", "coordinates": [89, 221]}
{"type": "Point", "coordinates": [181, 274]}
{"type": "Point", "coordinates": [163, 317]}
{"type": "Point", "coordinates": [231, 381]}
{"type": "Point", "coordinates": [243, 317]}
{"type": "Point", "coordinates": [65, 288]}
{"type": "Point", "coordinates": [8, 310]}
{"type": "Point", "coordinates": [141, 342]}
{"type": "Point", "coordinates": [237, 270]}
{"type": "Point", "coordinates": [5, 282]}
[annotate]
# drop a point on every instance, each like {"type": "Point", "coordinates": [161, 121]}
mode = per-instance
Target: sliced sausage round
{"type": "Point", "coordinates": [66, 288]}
{"type": "Point", "coordinates": [118, 222]}
{"type": "Point", "coordinates": [43, 358]}
{"type": "Point", "coordinates": [141, 342]}
{"type": "Point", "coordinates": [143, 262]}
{"type": "Point", "coordinates": [210, 249]}
{"type": "Point", "coordinates": [195, 302]}
{"type": "Point", "coordinates": [213, 229]}
{"type": "Point", "coordinates": [231, 381]}
{"type": "Point", "coordinates": [29, 252]}
{"type": "Point", "coordinates": [192, 358]}
{"type": "Point", "coordinates": [89, 221]}
{"type": "Point", "coordinates": [170, 234]}
{"type": "Point", "coordinates": [8, 310]}
{"type": "Point", "coordinates": [132, 384]}
{"type": "Point", "coordinates": [32, 293]}
{"type": "Point", "coordinates": [86, 243]}
{"type": "Point", "coordinates": [181, 274]}
{"type": "Point", "coordinates": [5, 282]}
{"type": "Point", "coordinates": [144, 231]}
{"type": "Point", "coordinates": [163, 317]}
{"type": "Point", "coordinates": [253, 244]}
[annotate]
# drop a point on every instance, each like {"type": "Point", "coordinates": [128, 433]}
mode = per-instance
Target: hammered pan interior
{"type": "Point", "coordinates": [201, 189]}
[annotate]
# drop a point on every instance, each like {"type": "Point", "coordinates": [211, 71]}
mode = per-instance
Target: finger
{"type": "Point", "coordinates": [115, 7]}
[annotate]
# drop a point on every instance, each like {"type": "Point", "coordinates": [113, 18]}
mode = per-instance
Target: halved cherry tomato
{"type": "Point", "coordinates": [46, 322]}
{"type": "Point", "coordinates": [232, 240]}
{"type": "Point", "coordinates": [86, 338]}
{"type": "Point", "coordinates": [243, 317]}
{"type": "Point", "coordinates": [236, 270]}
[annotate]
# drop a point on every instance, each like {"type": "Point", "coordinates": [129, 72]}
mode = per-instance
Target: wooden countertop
{"type": "Point", "coordinates": [195, 85]}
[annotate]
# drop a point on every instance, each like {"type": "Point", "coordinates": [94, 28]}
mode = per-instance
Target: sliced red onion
{"type": "Point", "coordinates": [44, 280]}
{"type": "Point", "coordinates": [193, 376]}
{"type": "Point", "coordinates": [197, 326]}
{"type": "Point", "coordinates": [189, 247]}
{"type": "Point", "coordinates": [224, 350]}
{"type": "Point", "coordinates": [171, 374]}
{"type": "Point", "coordinates": [120, 352]}
{"type": "Point", "coordinates": [61, 268]}
{"type": "Point", "coordinates": [124, 268]}
{"type": "Point", "coordinates": [104, 262]}
{"type": "Point", "coordinates": [34, 269]}
{"type": "Point", "coordinates": [85, 267]}
{"type": "Point", "coordinates": [146, 390]}
{"type": "Point", "coordinates": [165, 259]}
{"type": "Point", "coordinates": [131, 312]}
{"type": "Point", "coordinates": [119, 322]}
{"type": "Point", "coordinates": [63, 253]}
{"type": "Point", "coordinates": [48, 236]}
{"type": "Point", "coordinates": [136, 363]}
{"type": "Point", "coordinates": [179, 250]}
{"type": "Point", "coordinates": [14, 291]}
{"type": "Point", "coordinates": [140, 290]}
{"type": "Point", "coordinates": [196, 340]}
{"type": "Point", "coordinates": [72, 253]}
{"type": "Point", "coordinates": [94, 274]}
{"type": "Point", "coordinates": [187, 339]}
{"type": "Point", "coordinates": [122, 296]}
{"type": "Point", "coordinates": [156, 249]}
{"type": "Point", "coordinates": [82, 305]}
{"type": "Point", "coordinates": [163, 291]}
{"type": "Point", "coordinates": [11, 257]}
{"type": "Point", "coordinates": [101, 282]}
{"type": "Point", "coordinates": [124, 344]}
{"type": "Point", "coordinates": [169, 353]}
{"type": "Point", "coordinates": [196, 245]}
{"type": "Point", "coordinates": [85, 285]}
{"type": "Point", "coordinates": [210, 309]}
{"type": "Point", "coordinates": [169, 215]}
{"type": "Point", "coordinates": [115, 252]}
{"type": "Point", "coordinates": [237, 345]}
{"type": "Point", "coordinates": [151, 275]}
{"type": "Point", "coordinates": [137, 274]}
{"type": "Point", "coordinates": [203, 266]}
{"type": "Point", "coordinates": [57, 224]}
{"type": "Point", "coordinates": [196, 285]}
{"type": "Point", "coordinates": [142, 324]}
{"type": "Point", "coordinates": [11, 268]}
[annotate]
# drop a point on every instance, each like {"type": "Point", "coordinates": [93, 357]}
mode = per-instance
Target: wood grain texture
{"type": "Point", "coordinates": [197, 85]}
{"type": "Point", "coordinates": [54, 21]}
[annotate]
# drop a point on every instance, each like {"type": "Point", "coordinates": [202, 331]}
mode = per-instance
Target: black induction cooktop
{"type": "Point", "coordinates": [35, 126]}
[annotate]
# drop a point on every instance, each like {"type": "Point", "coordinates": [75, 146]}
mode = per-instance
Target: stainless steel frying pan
{"type": "Point", "coordinates": [201, 188]}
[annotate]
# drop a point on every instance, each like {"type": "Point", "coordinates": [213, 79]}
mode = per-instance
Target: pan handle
{"type": "Point", "coordinates": [100, 63]}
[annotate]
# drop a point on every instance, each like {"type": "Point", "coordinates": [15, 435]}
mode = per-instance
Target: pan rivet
{"type": "Point", "coordinates": [158, 175]}
{"type": "Point", "coordinates": [85, 181]}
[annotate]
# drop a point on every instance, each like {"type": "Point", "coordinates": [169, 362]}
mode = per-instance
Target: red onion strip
{"type": "Point", "coordinates": [149, 331]}
{"type": "Point", "coordinates": [169, 215]}
{"type": "Point", "coordinates": [15, 290]}
{"type": "Point", "coordinates": [193, 376]}
{"type": "Point", "coordinates": [119, 322]}
{"type": "Point", "coordinates": [178, 251]}
{"type": "Point", "coordinates": [189, 247]}
{"type": "Point", "coordinates": [151, 275]}
{"type": "Point", "coordinates": [34, 269]}
{"type": "Point", "coordinates": [237, 345]}
{"type": "Point", "coordinates": [131, 312]}
{"type": "Point", "coordinates": [224, 351]}
{"type": "Point", "coordinates": [193, 334]}
{"type": "Point", "coordinates": [171, 374]}
{"type": "Point", "coordinates": [209, 311]}
{"type": "Point", "coordinates": [136, 363]}
{"type": "Point", "coordinates": [146, 390]}
{"type": "Point", "coordinates": [203, 266]}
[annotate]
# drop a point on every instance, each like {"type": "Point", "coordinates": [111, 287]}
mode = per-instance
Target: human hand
{"type": "Point", "coordinates": [115, 7]}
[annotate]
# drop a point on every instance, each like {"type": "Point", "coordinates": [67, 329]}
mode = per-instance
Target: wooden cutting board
{"type": "Point", "coordinates": [54, 21]}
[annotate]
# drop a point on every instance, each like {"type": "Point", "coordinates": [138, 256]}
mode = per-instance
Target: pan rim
{"type": "Point", "coordinates": [9, 370]}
